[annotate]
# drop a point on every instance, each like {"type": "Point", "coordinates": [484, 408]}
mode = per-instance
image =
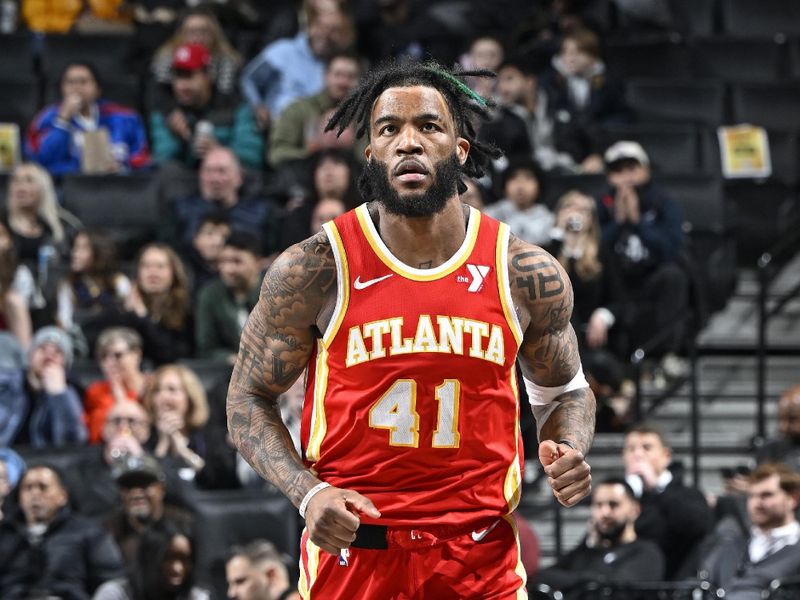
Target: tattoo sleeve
{"type": "Point", "coordinates": [549, 354]}
{"type": "Point", "coordinates": [275, 347]}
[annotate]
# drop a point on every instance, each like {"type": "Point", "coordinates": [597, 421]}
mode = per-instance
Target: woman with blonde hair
{"type": "Point", "coordinates": [200, 26]}
{"type": "Point", "coordinates": [160, 304]}
{"type": "Point", "coordinates": [34, 217]}
{"type": "Point", "coordinates": [178, 406]}
{"type": "Point", "coordinates": [600, 314]}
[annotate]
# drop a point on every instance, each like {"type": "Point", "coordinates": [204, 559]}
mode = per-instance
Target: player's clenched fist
{"type": "Point", "coordinates": [332, 517]}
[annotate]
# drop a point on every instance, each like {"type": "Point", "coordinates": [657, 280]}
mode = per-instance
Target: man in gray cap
{"type": "Point", "coordinates": [41, 409]}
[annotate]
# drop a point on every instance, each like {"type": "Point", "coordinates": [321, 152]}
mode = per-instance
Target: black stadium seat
{"type": "Point", "coordinates": [127, 205]}
{"type": "Point", "coordinates": [764, 211]}
{"type": "Point", "coordinates": [19, 99]}
{"type": "Point", "coordinates": [701, 200]}
{"type": "Point", "coordinates": [661, 58]}
{"type": "Point", "coordinates": [774, 106]}
{"type": "Point", "coordinates": [740, 59]}
{"type": "Point", "coordinates": [760, 17]}
{"type": "Point", "coordinates": [109, 53]}
{"type": "Point", "coordinates": [16, 53]}
{"type": "Point", "coordinates": [672, 148]}
{"type": "Point", "coordinates": [695, 102]}
{"type": "Point", "coordinates": [694, 17]}
{"type": "Point", "coordinates": [230, 517]}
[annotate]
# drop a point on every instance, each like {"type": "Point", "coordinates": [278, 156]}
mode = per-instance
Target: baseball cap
{"type": "Point", "coordinates": [54, 335]}
{"type": "Point", "coordinates": [191, 57]}
{"type": "Point", "coordinates": [136, 471]}
{"type": "Point", "coordinates": [626, 150]}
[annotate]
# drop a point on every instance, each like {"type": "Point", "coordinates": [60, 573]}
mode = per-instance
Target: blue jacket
{"type": "Point", "coordinates": [58, 146]}
{"type": "Point", "coordinates": [283, 72]}
{"type": "Point", "coordinates": [53, 419]}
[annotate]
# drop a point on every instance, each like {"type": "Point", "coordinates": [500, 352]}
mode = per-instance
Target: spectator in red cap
{"type": "Point", "coordinates": [197, 118]}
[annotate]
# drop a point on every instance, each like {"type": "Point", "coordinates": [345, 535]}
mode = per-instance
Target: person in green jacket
{"type": "Point", "coordinates": [224, 303]}
{"type": "Point", "coordinates": [196, 118]}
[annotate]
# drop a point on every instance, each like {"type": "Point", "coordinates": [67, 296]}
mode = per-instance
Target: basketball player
{"type": "Point", "coordinates": [410, 312]}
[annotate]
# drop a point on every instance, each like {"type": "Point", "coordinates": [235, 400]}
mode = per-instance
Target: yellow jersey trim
{"type": "Point", "coordinates": [519, 568]}
{"type": "Point", "coordinates": [399, 267]}
{"type": "Point", "coordinates": [319, 424]}
{"type": "Point", "coordinates": [312, 552]}
{"type": "Point", "coordinates": [342, 282]}
{"type": "Point", "coordinates": [504, 284]}
{"type": "Point", "coordinates": [512, 487]}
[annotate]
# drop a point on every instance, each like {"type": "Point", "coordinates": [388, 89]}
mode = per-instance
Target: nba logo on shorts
{"type": "Point", "coordinates": [344, 554]}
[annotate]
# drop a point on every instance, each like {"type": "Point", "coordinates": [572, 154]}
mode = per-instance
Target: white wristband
{"type": "Point", "coordinates": [311, 493]}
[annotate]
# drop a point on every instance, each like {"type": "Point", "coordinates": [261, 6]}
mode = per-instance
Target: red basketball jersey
{"type": "Point", "coordinates": [411, 397]}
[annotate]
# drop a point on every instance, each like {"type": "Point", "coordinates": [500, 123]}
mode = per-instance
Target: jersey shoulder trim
{"type": "Point", "coordinates": [342, 282]}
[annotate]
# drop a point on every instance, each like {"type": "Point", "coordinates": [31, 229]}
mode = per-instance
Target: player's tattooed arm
{"type": "Point", "coordinates": [275, 347]}
{"type": "Point", "coordinates": [549, 353]}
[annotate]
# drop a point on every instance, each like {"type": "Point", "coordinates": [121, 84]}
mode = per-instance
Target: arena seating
{"type": "Point", "coordinates": [237, 517]}
{"type": "Point", "coordinates": [765, 17]}
{"type": "Point", "coordinates": [667, 58]}
{"type": "Point", "coordinates": [773, 106]}
{"type": "Point", "coordinates": [127, 205]}
{"type": "Point", "coordinates": [740, 59]}
{"type": "Point", "coordinates": [694, 102]}
{"type": "Point", "coordinates": [672, 148]}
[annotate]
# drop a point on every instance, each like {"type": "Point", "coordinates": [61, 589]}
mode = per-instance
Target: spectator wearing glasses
{"type": "Point", "coordinates": [126, 432]}
{"type": "Point", "coordinates": [119, 353]}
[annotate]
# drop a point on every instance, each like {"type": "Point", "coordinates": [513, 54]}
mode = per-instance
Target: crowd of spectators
{"type": "Point", "coordinates": [245, 124]}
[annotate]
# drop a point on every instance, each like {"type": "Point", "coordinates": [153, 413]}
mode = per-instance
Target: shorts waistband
{"type": "Point", "coordinates": [377, 537]}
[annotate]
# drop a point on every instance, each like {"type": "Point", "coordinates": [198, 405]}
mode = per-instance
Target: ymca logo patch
{"type": "Point", "coordinates": [477, 274]}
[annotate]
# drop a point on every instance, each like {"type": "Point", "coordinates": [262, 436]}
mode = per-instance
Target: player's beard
{"type": "Point", "coordinates": [423, 204]}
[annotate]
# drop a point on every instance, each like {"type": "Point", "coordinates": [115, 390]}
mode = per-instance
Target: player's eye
{"type": "Point", "coordinates": [387, 129]}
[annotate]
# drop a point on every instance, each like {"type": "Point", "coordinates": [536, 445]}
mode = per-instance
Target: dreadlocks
{"type": "Point", "coordinates": [463, 102]}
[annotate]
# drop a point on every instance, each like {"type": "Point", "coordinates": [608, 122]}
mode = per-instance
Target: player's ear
{"type": "Point", "coordinates": [368, 152]}
{"type": "Point", "coordinates": [462, 150]}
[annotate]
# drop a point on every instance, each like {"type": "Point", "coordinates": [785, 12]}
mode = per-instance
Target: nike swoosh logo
{"type": "Point", "coordinates": [360, 285]}
{"type": "Point", "coordinates": [477, 536]}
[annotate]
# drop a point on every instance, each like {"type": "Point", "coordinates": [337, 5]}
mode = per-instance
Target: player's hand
{"type": "Point", "coordinates": [332, 517]}
{"type": "Point", "coordinates": [568, 474]}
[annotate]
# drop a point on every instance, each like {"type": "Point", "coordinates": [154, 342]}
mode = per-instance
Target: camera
{"type": "Point", "coordinates": [574, 223]}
